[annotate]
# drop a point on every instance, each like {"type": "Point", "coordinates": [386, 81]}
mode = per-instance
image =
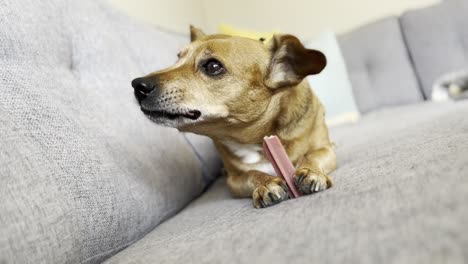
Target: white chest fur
{"type": "Point", "coordinates": [251, 156]}
{"type": "Point", "coordinates": [248, 153]}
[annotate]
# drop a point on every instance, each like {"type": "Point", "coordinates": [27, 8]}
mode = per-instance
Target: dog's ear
{"type": "Point", "coordinates": [195, 33]}
{"type": "Point", "coordinates": [291, 62]}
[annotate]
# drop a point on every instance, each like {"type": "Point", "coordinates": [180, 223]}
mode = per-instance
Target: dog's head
{"type": "Point", "coordinates": [224, 81]}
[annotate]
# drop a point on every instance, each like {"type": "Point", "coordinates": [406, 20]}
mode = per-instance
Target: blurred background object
{"type": "Point", "coordinates": [304, 18]}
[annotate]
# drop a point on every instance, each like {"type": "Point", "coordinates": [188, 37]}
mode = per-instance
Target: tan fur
{"type": "Point", "coordinates": [262, 93]}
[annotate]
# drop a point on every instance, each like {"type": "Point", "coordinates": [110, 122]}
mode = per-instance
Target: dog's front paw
{"type": "Point", "coordinates": [310, 181]}
{"type": "Point", "coordinates": [272, 192]}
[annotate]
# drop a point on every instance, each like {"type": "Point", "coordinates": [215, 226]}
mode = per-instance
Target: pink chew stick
{"type": "Point", "coordinates": [278, 157]}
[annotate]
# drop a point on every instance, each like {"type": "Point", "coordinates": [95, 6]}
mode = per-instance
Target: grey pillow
{"type": "Point", "coordinates": [83, 173]}
{"type": "Point", "coordinates": [379, 67]}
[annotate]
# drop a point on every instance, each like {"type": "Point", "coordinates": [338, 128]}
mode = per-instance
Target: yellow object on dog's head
{"type": "Point", "coordinates": [233, 31]}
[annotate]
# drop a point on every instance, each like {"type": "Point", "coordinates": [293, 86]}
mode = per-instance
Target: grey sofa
{"type": "Point", "coordinates": [85, 178]}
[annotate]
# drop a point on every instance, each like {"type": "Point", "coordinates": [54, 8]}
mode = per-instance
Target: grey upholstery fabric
{"type": "Point", "coordinates": [207, 154]}
{"type": "Point", "coordinates": [83, 173]}
{"type": "Point", "coordinates": [400, 197]}
{"type": "Point", "coordinates": [379, 67]}
{"type": "Point", "coordinates": [437, 38]}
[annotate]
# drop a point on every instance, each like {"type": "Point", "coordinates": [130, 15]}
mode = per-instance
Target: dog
{"type": "Point", "coordinates": [237, 91]}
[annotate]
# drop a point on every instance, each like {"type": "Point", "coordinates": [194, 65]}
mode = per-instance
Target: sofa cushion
{"type": "Point", "coordinates": [399, 197]}
{"type": "Point", "coordinates": [83, 173]}
{"type": "Point", "coordinates": [379, 67]}
{"type": "Point", "coordinates": [437, 38]}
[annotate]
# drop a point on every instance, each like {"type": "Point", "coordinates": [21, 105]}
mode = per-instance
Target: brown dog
{"type": "Point", "coordinates": [236, 91]}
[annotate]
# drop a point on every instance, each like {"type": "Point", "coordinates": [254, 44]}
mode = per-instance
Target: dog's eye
{"type": "Point", "coordinates": [213, 67]}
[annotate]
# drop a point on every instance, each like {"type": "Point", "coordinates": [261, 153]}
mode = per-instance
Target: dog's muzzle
{"type": "Point", "coordinates": [144, 86]}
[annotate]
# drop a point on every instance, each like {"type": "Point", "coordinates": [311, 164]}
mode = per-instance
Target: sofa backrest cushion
{"type": "Point", "coordinates": [83, 173]}
{"type": "Point", "coordinates": [437, 39]}
{"type": "Point", "coordinates": [379, 66]}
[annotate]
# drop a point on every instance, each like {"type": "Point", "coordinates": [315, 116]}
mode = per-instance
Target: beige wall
{"type": "Point", "coordinates": [175, 15]}
{"type": "Point", "coordinates": [302, 17]}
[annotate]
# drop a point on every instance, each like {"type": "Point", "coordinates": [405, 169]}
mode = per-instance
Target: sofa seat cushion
{"type": "Point", "coordinates": [400, 197]}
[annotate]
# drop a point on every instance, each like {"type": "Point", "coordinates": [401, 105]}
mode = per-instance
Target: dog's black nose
{"type": "Point", "coordinates": [143, 86]}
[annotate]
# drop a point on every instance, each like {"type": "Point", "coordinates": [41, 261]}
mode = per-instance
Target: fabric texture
{"type": "Point", "coordinates": [83, 173]}
{"type": "Point", "coordinates": [437, 39]}
{"type": "Point", "coordinates": [379, 67]}
{"type": "Point", "coordinates": [208, 156]}
{"type": "Point", "coordinates": [332, 85]}
{"type": "Point", "coordinates": [400, 197]}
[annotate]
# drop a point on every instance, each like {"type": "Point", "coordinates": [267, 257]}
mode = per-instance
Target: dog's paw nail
{"type": "Point", "coordinates": [273, 198]}
{"type": "Point", "coordinates": [312, 186]}
{"type": "Point", "coordinates": [317, 186]}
